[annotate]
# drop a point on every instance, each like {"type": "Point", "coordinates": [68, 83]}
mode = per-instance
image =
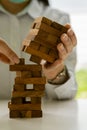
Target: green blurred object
{"type": "Point", "coordinates": [18, 1]}
{"type": "Point", "coordinates": [81, 77]}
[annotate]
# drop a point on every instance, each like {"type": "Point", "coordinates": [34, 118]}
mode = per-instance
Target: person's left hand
{"type": "Point", "coordinates": [68, 42]}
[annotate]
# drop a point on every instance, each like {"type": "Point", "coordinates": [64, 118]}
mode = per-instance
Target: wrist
{"type": "Point", "coordinates": [61, 77]}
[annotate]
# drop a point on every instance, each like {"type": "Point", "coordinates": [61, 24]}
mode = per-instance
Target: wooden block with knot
{"type": "Point", "coordinates": [42, 40]}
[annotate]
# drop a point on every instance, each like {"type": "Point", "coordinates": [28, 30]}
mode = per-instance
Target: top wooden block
{"type": "Point", "coordinates": [21, 66]}
{"type": "Point", "coordinates": [52, 24]}
{"type": "Point", "coordinates": [43, 20]}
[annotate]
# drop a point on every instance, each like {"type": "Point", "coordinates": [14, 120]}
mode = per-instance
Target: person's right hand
{"type": "Point", "coordinates": [7, 55]}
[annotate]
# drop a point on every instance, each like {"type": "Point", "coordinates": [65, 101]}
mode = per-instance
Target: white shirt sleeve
{"type": "Point", "coordinates": [65, 91]}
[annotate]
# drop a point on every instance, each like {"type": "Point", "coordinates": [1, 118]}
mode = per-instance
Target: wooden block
{"type": "Point", "coordinates": [43, 20]}
{"type": "Point", "coordinates": [19, 87]}
{"type": "Point", "coordinates": [35, 59]}
{"type": "Point", "coordinates": [20, 114]}
{"type": "Point", "coordinates": [27, 114]}
{"type": "Point", "coordinates": [39, 87]}
{"type": "Point", "coordinates": [27, 67]}
{"type": "Point", "coordinates": [39, 80]}
{"type": "Point", "coordinates": [14, 114]}
{"type": "Point", "coordinates": [48, 29]}
{"type": "Point", "coordinates": [35, 100]}
{"type": "Point", "coordinates": [37, 113]}
{"type": "Point", "coordinates": [45, 43]}
{"type": "Point", "coordinates": [48, 22]}
{"type": "Point", "coordinates": [22, 61]}
{"type": "Point", "coordinates": [27, 74]}
{"type": "Point", "coordinates": [49, 40]}
{"type": "Point", "coordinates": [58, 26]}
{"type": "Point", "coordinates": [36, 34]}
{"type": "Point", "coordinates": [34, 45]}
{"type": "Point", "coordinates": [53, 53]}
{"type": "Point", "coordinates": [40, 54]}
{"type": "Point", "coordinates": [28, 93]}
{"type": "Point", "coordinates": [37, 74]}
{"type": "Point", "coordinates": [30, 37]}
{"type": "Point", "coordinates": [17, 100]}
{"type": "Point", "coordinates": [24, 106]}
{"type": "Point", "coordinates": [44, 49]}
{"type": "Point", "coordinates": [26, 42]}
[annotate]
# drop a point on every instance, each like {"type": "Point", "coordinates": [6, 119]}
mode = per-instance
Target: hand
{"type": "Point", "coordinates": [68, 42]}
{"type": "Point", "coordinates": [6, 54]}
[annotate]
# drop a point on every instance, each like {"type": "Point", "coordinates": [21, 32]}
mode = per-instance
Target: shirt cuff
{"type": "Point", "coordinates": [65, 91]}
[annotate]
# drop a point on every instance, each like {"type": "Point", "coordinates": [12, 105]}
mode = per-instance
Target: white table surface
{"type": "Point", "coordinates": [57, 115]}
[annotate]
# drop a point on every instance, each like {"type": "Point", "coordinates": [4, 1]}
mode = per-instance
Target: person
{"type": "Point", "coordinates": [16, 17]}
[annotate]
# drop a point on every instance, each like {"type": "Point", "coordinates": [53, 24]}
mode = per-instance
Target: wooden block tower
{"type": "Point", "coordinates": [26, 100]}
{"type": "Point", "coordinates": [41, 43]}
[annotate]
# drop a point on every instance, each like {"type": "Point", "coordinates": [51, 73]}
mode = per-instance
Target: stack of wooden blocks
{"type": "Point", "coordinates": [26, 100]}
{"type": "Point", "coordinates": [43, 39]}
{"type": "Point", "coordinates": [41, 43]}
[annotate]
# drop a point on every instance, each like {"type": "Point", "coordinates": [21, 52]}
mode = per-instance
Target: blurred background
{"type": "Point", "coordinates": [78, 15]}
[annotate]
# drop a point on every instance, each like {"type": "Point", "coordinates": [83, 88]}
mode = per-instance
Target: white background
{"type": "Point", "coordinates": [78, 14]}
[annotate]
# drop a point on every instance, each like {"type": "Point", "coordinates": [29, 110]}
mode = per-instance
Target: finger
{"type": "Point", "coordinates": [5, 50]}
{"type": "Point", "coordinates": [4, 59]}
{"type": "Point", "coordinates": [67, 26]}
{"type": "Point", "coordinates": [52, 66]}
{"type": "Point", "coordinates": [62, 51]}
{"type": "Point", "coordinates": [67, 42]}
{"type": "Point", "coordinates": [72, 36]}
{"type": "Point", "coordinates": [43, 62]}
{"type": "Point", "coordinates": [12, 56]}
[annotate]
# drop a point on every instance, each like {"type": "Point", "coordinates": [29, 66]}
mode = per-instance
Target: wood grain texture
{"type": "Point", "coordinates": [24, 106]}
{"type": "Point", "coordinates": [25, 113]}
{"type": "Point", "coordinates": [28, 93]}
{"type": "Point", "coordinates": [26, 67]}
{"type": "Point", "coordinates": [19, 87]}
{"type": "Point", "coordinates": [35, 59]}
{"type": "Point", "coordinates": [37, 80]}
{"type": "Point", "coordinates": [43, 20]}
{"type": "Point", "coordinates": [38, 53]}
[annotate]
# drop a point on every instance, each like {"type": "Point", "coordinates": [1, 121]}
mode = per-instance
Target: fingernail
{"type": "Point", "coordinates": [61, 47]}
{"type": "Point", "coordinates": [16, 60]}
{"type": "Point", "coordinates": [65, 37]}
{"type": "Point", "coordinates": [70, 31]}
{"type": "Point", "coordinates": [43, 62]}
